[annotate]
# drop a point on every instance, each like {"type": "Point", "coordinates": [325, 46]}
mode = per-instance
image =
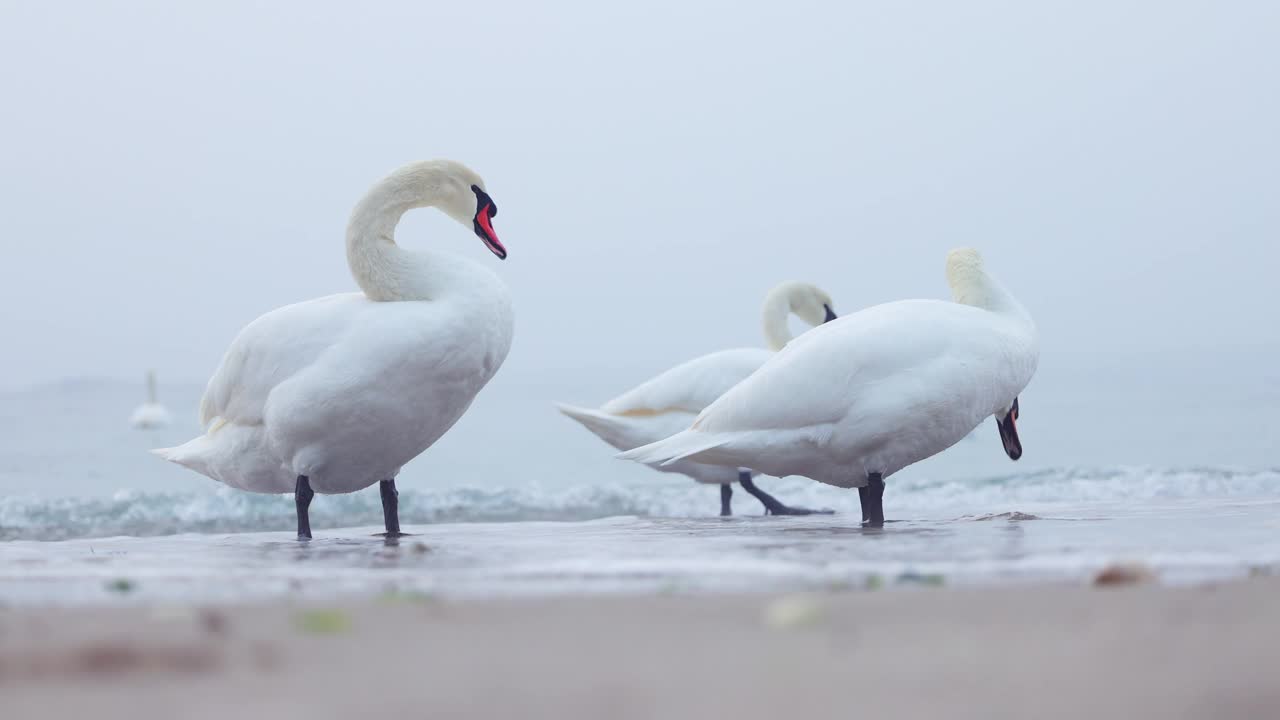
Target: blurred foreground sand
{"type": "Point", "coordinates": [1011, 652]}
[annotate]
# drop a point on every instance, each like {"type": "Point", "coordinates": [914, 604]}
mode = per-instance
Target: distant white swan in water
{"type": "Point", "coordinates": [150, 414]}
{"type": "Point", "coordinates": [668, 403]}
{"type": "Point", "coordinates": [854, 401]}
{"type": "Point", "coordinates": [335, 394]}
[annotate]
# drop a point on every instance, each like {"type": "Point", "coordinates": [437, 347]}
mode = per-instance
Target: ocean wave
{"type": "Point", "coordinates": [1083, 486]}
{"type": "Point", "coordinates": [225, 510]}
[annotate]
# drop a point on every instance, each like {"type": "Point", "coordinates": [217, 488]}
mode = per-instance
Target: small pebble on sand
{"type": "Point", "coordinates": [1123, 574]}
{"type": "Point", "coordinates": [794, 611]}
{"type": "Point", "coordinates": [323, 622]}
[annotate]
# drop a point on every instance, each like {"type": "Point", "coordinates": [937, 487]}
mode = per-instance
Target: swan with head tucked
{"type": "Point", "coordinates": [150, 414]}
{"type": "Point", "coordinates": [667, 403]}
{"type": "Point", "coordinates": [335, 394]}
{"type": "Point", "coordinates": [857, 399]}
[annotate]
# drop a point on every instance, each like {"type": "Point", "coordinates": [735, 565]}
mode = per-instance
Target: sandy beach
{"type": "Point", "coordinates": [1051, 651]}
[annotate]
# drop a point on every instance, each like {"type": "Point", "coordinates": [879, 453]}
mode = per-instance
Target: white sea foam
{"type": "Point", "coordinates": [1062, 492]}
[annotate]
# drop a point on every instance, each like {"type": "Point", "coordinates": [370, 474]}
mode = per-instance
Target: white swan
{"type": "Point", "coordinates": [666, 404]}
{"type": "Point", "coordinates": [335, 394]}
{"type": "Point", "coordinates": [150, 414]}
{"type": "Point", "coordinates": [854, 401]}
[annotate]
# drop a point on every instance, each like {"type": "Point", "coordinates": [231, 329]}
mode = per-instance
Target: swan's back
{"type": "Point", "coordinates": [690, 386]}
{"type": "Point", "coordinates": [887, 356]}
{"type": "Point", "coordinates": [149, 416]}
{"type": "Point", "coordinates": [270, 350]}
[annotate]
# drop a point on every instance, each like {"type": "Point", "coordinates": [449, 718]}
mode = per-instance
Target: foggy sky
{"type": "Point", "coordinates": [171, 171]}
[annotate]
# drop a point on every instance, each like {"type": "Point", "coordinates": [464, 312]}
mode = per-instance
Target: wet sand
{"type": "Point", "coordinates": [1003, 652]}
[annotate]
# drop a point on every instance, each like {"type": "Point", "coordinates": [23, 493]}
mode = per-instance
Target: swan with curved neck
{"type": "Point", "coordinates": [854, 401]}
{"type": "Point", "coordinates": [150, 414]}
{"type": "Point", "coordinates": [335, 394]}
{"type": "Point", "coordinates": [387, 272]}
{"type": "Point", "coordinates": [668, 403]}
{"type": "Point", "coordinates": [805, 301]}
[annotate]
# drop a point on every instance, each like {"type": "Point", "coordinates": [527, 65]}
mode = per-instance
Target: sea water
{"type": "Point", "coordinates": [1187, 526]}
{"type": "Point", "coordinates": [85, 517]}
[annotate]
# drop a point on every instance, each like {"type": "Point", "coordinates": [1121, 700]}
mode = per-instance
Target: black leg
{"type": "Point", "coordinates": [771, 504]}
{"type": "Point", "coordinates": [302, 494]}
{"type": "Point", "coordinates": [873, 508]}
{"type": "Point", "coordinates": [864, 500]}
{"type": "Point", "coordinates": [726, 496]}
{"type": "Point", "coordinates": [390, 506]}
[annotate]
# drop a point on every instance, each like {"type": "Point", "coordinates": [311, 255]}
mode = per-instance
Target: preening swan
{"type": "Point", "coordinates": [668, 403]}
{"type": "Point", "coordinates": [335, 394]}
{"type": "Point", "coordinates": [150, 414]}
{"type": "Point", "coordinates": [854, 401]}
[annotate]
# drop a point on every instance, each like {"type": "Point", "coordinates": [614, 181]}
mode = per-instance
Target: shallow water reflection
{"type": "Point", "coordinates": [1185, 541]}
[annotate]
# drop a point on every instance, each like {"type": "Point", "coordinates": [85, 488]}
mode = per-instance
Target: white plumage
{"type": "Point", "coordinates": [150, 414]}
{"type": "Point", "coordinates": [872, 392]}
{"type": "Point", "coordinates": [669, 402]}
{"type": "Point", "coordinates": [346, 389]}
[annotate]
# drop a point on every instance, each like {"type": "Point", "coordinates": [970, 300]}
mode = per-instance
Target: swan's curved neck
{"type": "Point", "coordinates": [382, 269]}
{"type": "Point", "coordinates": [973, 286]}
{"type": "Point", "coordinates": [777, 308]}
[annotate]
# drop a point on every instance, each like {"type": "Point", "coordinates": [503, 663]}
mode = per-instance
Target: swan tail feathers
{"type": "Point", "coordinates": [240, 456]}
{"type": "Point", "coordinates": [621, 432]}
{"type": "Point", "coordinates": [193, 455]}
{"type": "Point", "coordinates": [207, 453]}
{"type": "Point", "coordinates": [681, 446]}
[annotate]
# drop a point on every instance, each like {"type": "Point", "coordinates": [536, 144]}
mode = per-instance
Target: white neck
{"type": "Point", "coordinates": [382, 269]}
{"type": "Point", "coordinates": [971, 285]}
{"type": "Point", "coordinates": [151, 387]}
{"type": "Point", "coordinates": [776, 312]}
